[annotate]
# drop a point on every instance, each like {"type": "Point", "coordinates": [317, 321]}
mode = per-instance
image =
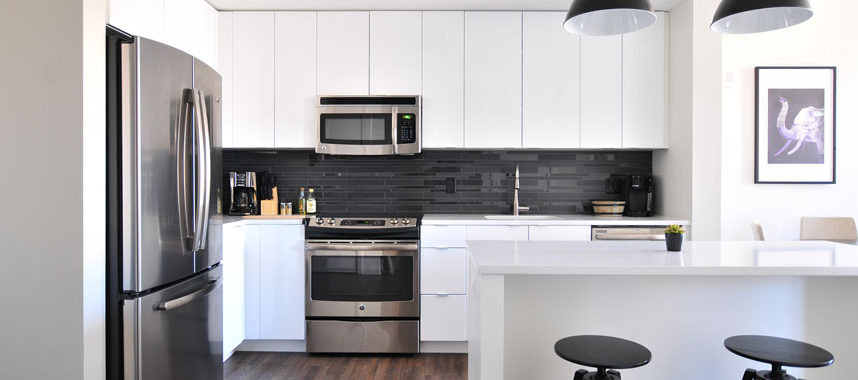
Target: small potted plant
{"type": "Point", "coordinates": [673, 237]}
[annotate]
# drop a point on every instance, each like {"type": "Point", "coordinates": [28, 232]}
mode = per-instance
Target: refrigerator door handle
{"type": "Point", "coordinates": [207, 171]}
{"type": "Point", "coordinates": [183, 170]}
{"type": "Point", "coordinates": [188, 298]}
{"type": "Point", "coordinates": [201, 187]}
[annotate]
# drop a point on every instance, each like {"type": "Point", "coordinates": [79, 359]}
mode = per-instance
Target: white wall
{"type": "Point", "coordinates": [689, 172]}
{"type": "Point", "coordinates": [51, 109]}
{"type": "Point", "coordinates": [827, 39]}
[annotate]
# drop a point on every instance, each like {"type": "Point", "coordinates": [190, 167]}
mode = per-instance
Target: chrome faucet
{"type": "Point", "coordinates": [515, 206]}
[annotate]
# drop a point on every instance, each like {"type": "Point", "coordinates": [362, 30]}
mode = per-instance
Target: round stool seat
{"type": "Point", "coordinates": [779, 351]}
{"type": "Point", "coordinates": [602, 352]}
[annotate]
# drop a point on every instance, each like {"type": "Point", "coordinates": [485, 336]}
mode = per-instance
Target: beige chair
{"type": "Point", "coordinates": [757, 229]}
{"type": "Point", "coordinates": [828, 229]}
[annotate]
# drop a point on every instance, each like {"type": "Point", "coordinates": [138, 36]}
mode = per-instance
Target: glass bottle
{"type": "Point", "coordinates": [311, 203]}
{"type": "Point", "coordinates": [302, 210]}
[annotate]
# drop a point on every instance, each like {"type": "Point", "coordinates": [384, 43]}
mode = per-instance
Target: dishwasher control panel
{"type": "Point", "coordinates": [628, 233]}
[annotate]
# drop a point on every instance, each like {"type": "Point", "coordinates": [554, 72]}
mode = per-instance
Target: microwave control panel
{"type": "Point", "coordinates": [406, 126]}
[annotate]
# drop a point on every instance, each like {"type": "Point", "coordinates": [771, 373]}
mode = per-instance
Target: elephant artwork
{"type": "Point", "coordinates": [803, 140]}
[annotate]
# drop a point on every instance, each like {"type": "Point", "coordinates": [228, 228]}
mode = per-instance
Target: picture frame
{"type": "Point", "coordinates": [795, 131]}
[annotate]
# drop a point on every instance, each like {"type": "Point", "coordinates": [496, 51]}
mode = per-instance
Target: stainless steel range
{"type": "Point", "coordinates": [362, 285]}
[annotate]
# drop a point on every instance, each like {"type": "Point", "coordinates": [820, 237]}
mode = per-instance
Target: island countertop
{"type": "Point", "coordinates": [786, 258]}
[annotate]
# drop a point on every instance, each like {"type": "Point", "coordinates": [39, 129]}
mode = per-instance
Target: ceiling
{"type": "Point", "coordinates": [531, 5]}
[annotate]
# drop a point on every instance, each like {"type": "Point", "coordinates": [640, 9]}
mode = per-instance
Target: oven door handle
{"type": "Point", "coordinates": [361, 247]}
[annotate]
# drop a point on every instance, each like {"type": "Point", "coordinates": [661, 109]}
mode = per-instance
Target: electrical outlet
{"type": "Point", "coordinates": [451, 185]}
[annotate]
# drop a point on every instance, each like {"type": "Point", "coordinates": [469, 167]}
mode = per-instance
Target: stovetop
{"type": "Point", "coordinates": [366, 228]}
{"type": "Point", "coordinates": [333, 222]}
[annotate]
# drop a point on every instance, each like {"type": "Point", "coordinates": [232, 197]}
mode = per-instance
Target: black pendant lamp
{"type": "Point", "coordinates": [608, 17]}
{"type": "Point", "coordinates": [753, 16]}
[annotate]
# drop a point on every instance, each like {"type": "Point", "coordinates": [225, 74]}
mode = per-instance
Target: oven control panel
{"type": "Point", "coordinates": [364, 223]}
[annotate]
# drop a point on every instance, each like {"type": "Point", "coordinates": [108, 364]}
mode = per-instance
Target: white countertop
{"type": "Point", "coordinates": [546, 220]}
{"type": "Point", "coordinates": [796, 258]}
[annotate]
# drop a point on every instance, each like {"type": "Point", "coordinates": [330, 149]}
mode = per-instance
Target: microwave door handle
{"type": "Point", "coordinates": [393, 130]}
{"type": "Point", "coordinates": [183, 171]}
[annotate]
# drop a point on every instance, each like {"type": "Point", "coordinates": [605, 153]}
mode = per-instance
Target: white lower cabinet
{"type": "Point", "coordinates": [233, 288]}
{"type": "Point", "coordinates": [559, 233]}
{"type": "Point", "coordinates": [443, 318]}
{"type": "Point", "coordinates": [274, 281]}
{"type": "Point", "coordinates": [443, 270]}
{"type": "Point", "coordinates": [497, 233]}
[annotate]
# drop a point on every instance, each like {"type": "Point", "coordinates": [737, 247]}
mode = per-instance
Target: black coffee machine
{"type": "Point", "coordinates": [242, 193]}
{"type": "Point", "coordinates": [640, 195]}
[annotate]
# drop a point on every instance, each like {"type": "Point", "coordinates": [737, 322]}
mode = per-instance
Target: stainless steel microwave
{"type": "Point", "coordinates": [368, 125]}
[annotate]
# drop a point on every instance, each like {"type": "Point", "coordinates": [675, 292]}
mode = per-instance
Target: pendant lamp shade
{"type": "Point", "coordinates": [608, 17]}
{"type": "Point", "coordinates": [753, 16]}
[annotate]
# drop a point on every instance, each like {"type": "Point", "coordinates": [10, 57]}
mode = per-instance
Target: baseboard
{"type": "Point", "coordinates": [272, 345]}
{"type": "Point", "coordinates": [227, 355]}
{"type": "Point", "coordinates": [444, 347]}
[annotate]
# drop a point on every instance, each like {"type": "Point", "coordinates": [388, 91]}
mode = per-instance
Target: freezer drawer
{"type": "Point", "coordinates": [176, 333]}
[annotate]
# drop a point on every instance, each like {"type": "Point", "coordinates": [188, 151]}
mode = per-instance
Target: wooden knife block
{"type": "Point", "coordinates": [269, 206]}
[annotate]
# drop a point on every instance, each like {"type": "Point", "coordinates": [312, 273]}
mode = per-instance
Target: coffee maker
{"type": "Point", "coordinates": [242, 193]}
{"type": "Point", "coordinates": [640, 195]}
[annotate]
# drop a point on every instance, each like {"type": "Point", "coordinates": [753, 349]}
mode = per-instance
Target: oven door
{"type": "Point", "coordinates": [362, 279]}
{"type": "Point", "coordinates": [356, 130]}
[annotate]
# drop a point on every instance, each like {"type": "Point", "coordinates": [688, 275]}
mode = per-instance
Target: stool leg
{"type": "Point", "coordinates": [614, 373]}
{"type": "Point", "coordinates": [579, 374]}
{"type": "Point", "coordinates": [750, 374]}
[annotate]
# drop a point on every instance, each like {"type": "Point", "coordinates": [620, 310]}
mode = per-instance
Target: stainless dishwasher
{"type": "Point", "coordinates": [628, 233]}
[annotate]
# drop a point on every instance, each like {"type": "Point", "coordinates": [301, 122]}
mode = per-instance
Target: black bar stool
{"type": "Point", "coordinates": [778, 352]}
{"type": "Point", "coordinates": [606, 353]}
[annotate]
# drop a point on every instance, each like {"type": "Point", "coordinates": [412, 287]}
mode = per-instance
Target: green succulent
{"type": "Point", "coordinates": [674, 229]}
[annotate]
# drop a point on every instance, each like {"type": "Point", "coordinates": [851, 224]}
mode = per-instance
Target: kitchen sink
{"type": "Point", "coordinates": [520, 217]}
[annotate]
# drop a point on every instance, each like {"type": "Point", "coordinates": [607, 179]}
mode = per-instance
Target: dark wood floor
{"type": "Point", "coordinates": [289, 365]}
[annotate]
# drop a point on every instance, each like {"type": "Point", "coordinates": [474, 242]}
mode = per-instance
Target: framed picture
{"type": "Point", "coordinates": [795, 125]}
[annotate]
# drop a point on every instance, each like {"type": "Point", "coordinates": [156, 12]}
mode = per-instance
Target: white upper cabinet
{"type": "Point", "coordinates": [342, 53]}
{"type": "Point", "coordinates": [295, 79]}
{"type": "Point", "coordinates": [253, 79]}
{"type": "Point", "coordinates": [443, 79]}
{"type": "Point", "coordinates": [191, 25]}
{"type": "Point", "coordinates": [493, 79]}
{"type": "Point", "coordinates": [143, 18]}
{"type": "Point", "coordinates": [601, 92]}
{"type": "Point", "coordinates": [644, 86]}
{"type": "Point", "coordinates": [550, 82]}
{"type": "Point", "coordinates": [394, 53]}
{"type": "Point", "coordinates": [224, 32]}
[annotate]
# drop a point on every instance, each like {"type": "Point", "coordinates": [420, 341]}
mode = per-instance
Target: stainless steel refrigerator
{"type": "Point", "coordinates": [164, 295]}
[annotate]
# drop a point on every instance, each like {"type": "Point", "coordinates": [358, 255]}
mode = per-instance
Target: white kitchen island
{"type": "Point", "coordinates": [526, 295]}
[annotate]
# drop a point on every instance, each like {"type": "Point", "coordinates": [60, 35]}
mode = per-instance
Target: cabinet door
{"type": "Point", "coordinates": [443, 318]}
{"type": "Point", "coordinates": [342, 54]}
{"type": "Point", "coordinates": [442, 236]}
{"type": "Point", "coordinates": [493, 79]}
{"type": "Point", "coordinates": [443, 270]}
{"type": "Point", "coordinates": [224, 31]}
{"type": "Point", "coordinates": [550, 82]}
{"type": "Point", "coordinates": [253, 84]}
{"type": "Point", "coordinates": [394, 53]}
{"type": "Point", "coordinates": [644, 87]}
{"type": "Point", "coordinates": [233, 288]}
{"type": "Point", "coordinates": [497, 232]}
{"type": "Point", "coordinates": [295, 79]}
{"type": "Point", "coordinates": [559, 233]}
{"type": "Point", "coordinates": [282, 282]}
{"type": "Point", "coordinates": [443, 79]}
{"type": "Point", "coordinates": [143, 18]}
{"type": "Point", "coordinates": [601, 92]}
{"type": "Point", "coordinates": [251, 281]}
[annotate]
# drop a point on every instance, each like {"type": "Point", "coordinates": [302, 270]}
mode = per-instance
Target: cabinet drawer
{"type": "Point", "coordinates": [443, 318]}
{"type": "Point", "coordinates": [443, 270]}
{"type": "Point", "coordinates": [497, 233]}
{"type": "Point", "coordinates": [560, 233]}
{"type": "Point", "coordinates": [442, 236]}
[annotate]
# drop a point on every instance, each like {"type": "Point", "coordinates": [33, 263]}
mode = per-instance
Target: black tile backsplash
{"type": "Point", "coordinates": [552, 182]}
